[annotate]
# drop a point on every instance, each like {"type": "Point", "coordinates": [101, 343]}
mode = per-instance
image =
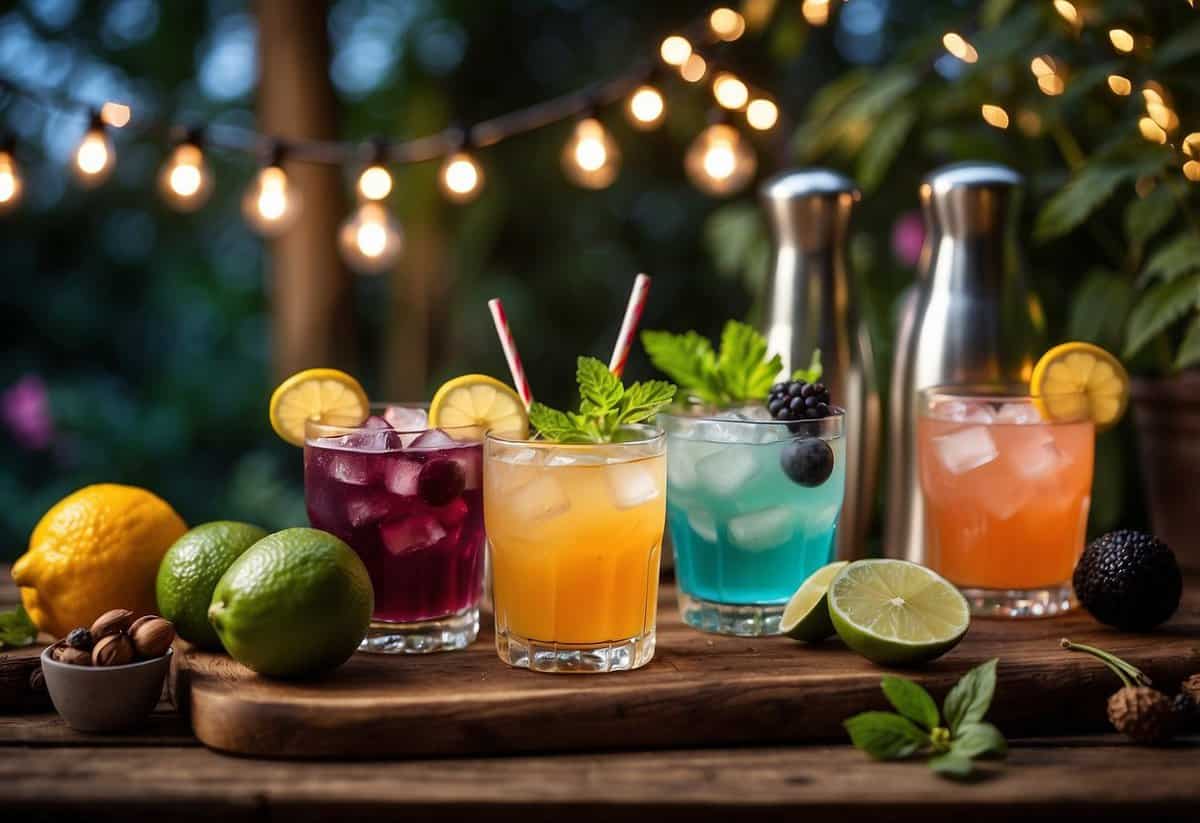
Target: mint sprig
{"type": "Point", "coordinates": [605, 406]}
{"type": "Point", "coordinates": [16, 628]}
{"type": "Point", "coordinates": [814, 371]}
{"type": "Point", "coordinates": [741, 372]}
{"type": "Point", "coordinates": [915, 727]}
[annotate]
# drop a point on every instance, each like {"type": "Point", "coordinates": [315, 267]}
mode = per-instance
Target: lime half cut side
{"type": "Point", "coordinates": [894, 612]}
{"type": "Point", "coordinates": [806, 616]}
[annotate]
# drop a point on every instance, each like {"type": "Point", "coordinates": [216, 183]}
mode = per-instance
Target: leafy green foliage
{"type": "Point", "coordinates": [814, 371]}
{"type": "Point", "coordinates": [1159, 307]}
{"type": "Point", "coordinates": [1180, 255]}
{"type": "Point", "coordinates": [740, 373]}
{"type": "Point", "coordinates": [16, 628]}
{"type": "Point", "coordinates": [1147, 216]}
{"type": "Point", "coordinates": [1179, 47]}
{"type": "Point", "coordinates": [1189, 349]}
{"type": "Point", "coordinates": [880, 151]}
{"type": "Point", "coordinates": [1085, 193]}
{"type": "Point", "coordinates": [916, 729]}
{"type": "Point", "coordinates": [1100, 309]}
{"type": "Point", "coordinates": [605, 406]}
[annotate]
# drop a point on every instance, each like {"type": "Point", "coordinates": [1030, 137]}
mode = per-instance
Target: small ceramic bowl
{"type": "Point", "coordinates": [105, 698]}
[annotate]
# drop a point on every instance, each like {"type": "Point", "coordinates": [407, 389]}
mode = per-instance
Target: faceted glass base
{"type": "Point", "coordinates": [575, 658]}
{"type": "Point", "coordinates": [725, 618]}
{"type": "Point", "coordinates": [446, 634]}
{"type": "Point", "coordinates": [1044, 602]}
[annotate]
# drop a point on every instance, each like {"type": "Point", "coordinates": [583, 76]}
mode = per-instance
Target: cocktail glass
{"type": "Point", "coordinates": [576, 539]}
{"type": "Point", "coordinates": [1007, 494]}
{"type": "Point", "coordinates": [409, 500]}
{"type": "Point", "coordinates": [746, 534]}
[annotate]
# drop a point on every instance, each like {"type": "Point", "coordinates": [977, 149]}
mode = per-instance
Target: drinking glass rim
{"type": "Point", "coordinates": [994, 393]}
{"type": "Point", "coordinates": [377, 410]}
{"type": "Point", "coordinates": [658, 434]}
{"type": "Point", "coordinates": [710, 418]}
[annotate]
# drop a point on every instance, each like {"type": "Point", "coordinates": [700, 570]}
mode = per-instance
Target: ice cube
{"type": "Point", "coordinates": [376, 422]}
{"type": "Point", "coordinates": [364, 509]}
{"type": "Point", "coordinates": [682, 457]}
{"type": "Point", "coordinates": [523, 457]}
{"type": "Point", "coordinates": [471, 460]}
{"type": "Point", "coordinates": [1020, 413]}
{"type": "Point", "coordinates": [420, 531]}
{"type": "Point", "coordinates": [763, 529]}
{"type": "Point", "coordinates": [404, 419]}
{"type": "Point", "coordinates": [954, 411]}
{"type": "Point", "coordinates": [748, 413]}
{"type": "Point", "coordinates": [353, 469]}
{"type": "Point", "coordinates": [979, 413]}
{"type": "Point", "coordinates": [1038, 456]}
{"type": "Point", "coordinates": [966, 449]}
{"type": "Point", "coordinates": [433, 439]}
{"type": "Point", "coordinates": [703, 524]}
{"type": "Point", "coordinates": [726, 471]}
{"type": "Point", "coordinates": [558, 459]}
{"type": "Point", "coordinates": [631, 485]}
{"type": "Point", "coordinates": [400, 475]}
{"type": "Point", "coordinates": [541, 499]}
{"type": "Point", "coordinates": [370, 440]}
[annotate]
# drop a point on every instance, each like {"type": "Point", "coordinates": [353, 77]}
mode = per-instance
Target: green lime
{"type": "Point", "coordinates": [190, 570]}
{"type": "Point", "coordinates": [806, 616]}
{"type": "Point", "coordinates": [894, 612]}
{"type": "Point", "coordinates": [297, 603]}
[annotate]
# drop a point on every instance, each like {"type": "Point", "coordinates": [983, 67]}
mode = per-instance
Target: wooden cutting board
{"type": "Point", "coordinates": [699, 689]}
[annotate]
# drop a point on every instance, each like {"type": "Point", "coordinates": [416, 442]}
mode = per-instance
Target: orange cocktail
{"type": "Point", "coordinates": [1007, 494]}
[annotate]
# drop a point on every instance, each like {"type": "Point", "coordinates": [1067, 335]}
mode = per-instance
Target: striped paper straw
{"type": "Point", "coordinates": [520, 381]}
{"type": "Point", "coordinates": [633, 316]}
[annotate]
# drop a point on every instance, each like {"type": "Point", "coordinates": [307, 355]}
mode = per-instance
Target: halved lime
{"type": "Point", "coordinates": [806, 616]}
{"type": "Point", "coordinates": [894, 612]}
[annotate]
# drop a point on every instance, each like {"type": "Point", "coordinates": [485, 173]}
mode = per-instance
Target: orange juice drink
{"type": "Point", "coordinates": [1007, 494]}
{"type": "Point", "coordinates": [576, 538]}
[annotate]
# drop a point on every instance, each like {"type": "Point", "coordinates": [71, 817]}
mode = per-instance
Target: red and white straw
{"type": "Point", "coordinates": [520, 381]}
{"type": "Point", "coordinates": [633, 316]}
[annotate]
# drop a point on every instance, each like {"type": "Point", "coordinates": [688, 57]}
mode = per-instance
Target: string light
{"type": "Point", "coordinates": [1191, 145]}
{"type": "Point", "coordinates": [726, 24]}
{"type": "Point", "coordinates": [185, 179]}
{"type": "Point", "coordinates": [461, 177]}
{"type": "Point", "coordinates": [994, 116]}
{"type": "Point", "coordinates": [816, 12]}
{"type": "Point", "coordinates": [646, 108]}
{"type": "Point", "coordinates": [957, 45]}
{"type": "Point", "coordinates": [720, 161]}
{"type": "Point", "coordinates": [375, 182]}
{"type": "Point", "coordinates": [1121, 40]}
{"type": "Point", "coordinates": [762, 114]}
{"type": "Point", "coordinates": [1067, 11]}
{"type": "Point", "coordinates": [1120, 85]}
{"type": "Point", "coordinates": [11, 186]}
{"type": "Point", "coordinates": [370, 241]}
{"type": "Point", "coordinates": [730, 92]}
{"type": "Point", "coordinates": [1051, 85]}
{"type": "Point", "coordinates": [1151, 130]}
{"type": "Point", "coordinates": [591, 158]}
{"type": "Point", "coordinates": [1191, 170]}
{"type": "Point", "coordinates": [675, 50]}
{"type": "Point", "coordinates": [95, 156]}
{"type": "Point", "coordinates": [694, 68]}
{"type": "Point", "coordinates": [272, 203]}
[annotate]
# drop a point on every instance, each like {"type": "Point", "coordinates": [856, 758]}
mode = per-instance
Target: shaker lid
{"type": "Point", "coordinates": [971, 175]}
{"type": "Point", "coordinates": [799, 183]}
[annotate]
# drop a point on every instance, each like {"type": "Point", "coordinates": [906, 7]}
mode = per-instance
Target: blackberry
{"type": "Point", "coordinates": [797, 400]}
{"type": "Point", "coordinates": [1129, 580]}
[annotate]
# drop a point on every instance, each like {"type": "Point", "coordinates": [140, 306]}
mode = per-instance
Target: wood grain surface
{"type": "Point", "coordinates": [699, 690]}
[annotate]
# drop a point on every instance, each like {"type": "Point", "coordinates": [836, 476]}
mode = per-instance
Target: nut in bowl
{"type": "Point", "coordinates": [109, 677]}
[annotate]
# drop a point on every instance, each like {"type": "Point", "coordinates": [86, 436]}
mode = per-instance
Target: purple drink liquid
{"type": "Point", "coordinates": [411, 507]}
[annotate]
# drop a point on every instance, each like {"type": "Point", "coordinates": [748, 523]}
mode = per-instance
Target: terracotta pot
{"type": "Point", "coordinates": [1167, 418]}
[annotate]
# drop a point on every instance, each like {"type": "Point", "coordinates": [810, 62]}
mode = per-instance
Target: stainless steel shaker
{"type": "Point", "coordinates": [810, 303]}
{"type": "Point", "coordinates": [969, 319]}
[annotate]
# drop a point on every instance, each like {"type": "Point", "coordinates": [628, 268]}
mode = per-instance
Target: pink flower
{"type": "Point", "coordinates": [908, 235]}
{"type": "Point", "coordinates": [25, 407]}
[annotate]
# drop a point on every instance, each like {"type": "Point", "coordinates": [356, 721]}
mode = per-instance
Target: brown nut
{"type": "Point", "coordinates": [143, 619]}
{"type": "Point", "coordinates": [75, 657]}
{"type": "Point", "coordinates": [111, 622]}
{"type": "Point", "coordinates": [113, 650]}
{"type": "Point", "coordinates": [152, 637]}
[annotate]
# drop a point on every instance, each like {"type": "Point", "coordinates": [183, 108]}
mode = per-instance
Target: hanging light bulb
{"type": "Point", "coordinates": [816, 12]}
{"type": "Point", "coordinates": [375, 182]}
{"type": "Point", "coordinates": [591, 158]}
{"type": "Point", "coordinates": [675, 50]}
{"type": "Point", "coordinates": [726, 24]}
{"type": "Point", "coordinates": [729, 91]}
{"type": "Point", "coordinates": [1119, 84]}
{"type": "Point", "coordinates": [720, 161]}
{"type": "Point", "coordinates": [762, 114]}
{"type": "Point", "coordinates": [646, 108]}
{"type": "Point", "coordinates": [995, 116]}
{"type": "Point", "coordinates": [11, 186]}
{"type": "Point", "coordinates": [461, 177]}
{"type": "Point", "coordinates": [95, 156]}
{"type": "Point", "coordinates": [185, 179]}
{"type": "Point", "coordinates": [694, 68]}
{"type": "Point", "coordinates": [370, 240]}
{"type": "Point", "coordinates": [1121, 40]}
{"type": "Point", "coordinates": [272, 203]}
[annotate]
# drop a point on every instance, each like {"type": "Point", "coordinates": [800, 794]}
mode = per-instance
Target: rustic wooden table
{"type": "Point", "coordinates": [48, 770]}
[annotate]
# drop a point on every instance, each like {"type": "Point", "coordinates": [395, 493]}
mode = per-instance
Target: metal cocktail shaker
{"type": "Point", "coordinates": [969, 319]}
{"type": "Point", "coordinates": [810, 304]}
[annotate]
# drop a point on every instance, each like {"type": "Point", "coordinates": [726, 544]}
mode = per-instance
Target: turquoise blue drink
{"type": "Point", "coordinates": [753, 506]}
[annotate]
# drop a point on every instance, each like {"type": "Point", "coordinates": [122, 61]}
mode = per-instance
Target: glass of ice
{"type": "Point", "coordinates": [1007, 494]}
{"type": "Point", "coordinates": [408, 500]}
{"type": "Point", "coordinates": [753, 506]}
{"type": "Point", "coordinates": [576, 539]}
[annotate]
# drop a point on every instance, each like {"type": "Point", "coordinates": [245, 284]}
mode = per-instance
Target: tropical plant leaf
{"type": "Point", "coordinates": [1179, 256]}
{"type": "Point", "coordinates": [879, 152]}
{"type": "Point", "coordinates": [1159, 307]}
{"type": "Point", "coordinates": [1183, 45]}
{"type": "Point", "coordinates": [1076, 201]}
{"type": "Point", "coordinates": [1100, 309]}
{"type": "Point", "coordinates": [1147, 216]}
{"type": "Point", "coordinates": [1189, 349]}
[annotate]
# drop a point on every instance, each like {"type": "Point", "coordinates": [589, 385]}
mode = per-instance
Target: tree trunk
{"type": "Point", "coordinates": [311, 297]}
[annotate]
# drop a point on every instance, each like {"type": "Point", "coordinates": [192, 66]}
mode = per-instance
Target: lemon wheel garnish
{"type": "Point", "coordinates": [472, 405]}
{"type": "Point", "coordinates": [1079, 381]}
{"type": "Point", "coordinates": [324, 395]}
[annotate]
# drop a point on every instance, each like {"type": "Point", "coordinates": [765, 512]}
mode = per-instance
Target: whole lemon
{"type": "Point", "coordinates": [96, 549]}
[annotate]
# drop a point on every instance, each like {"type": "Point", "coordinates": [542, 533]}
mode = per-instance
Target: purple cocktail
{"type": "Point", "coordinates": [408, 499]}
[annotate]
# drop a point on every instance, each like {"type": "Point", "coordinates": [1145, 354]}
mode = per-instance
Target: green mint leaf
{"type": "Point", "coordinates": [599, 388]}
{"type": "Point", "coordinates": [688, 359]}
{"type": "Point", "coordinates": [642, 401]}
{"type": "Point", "coordinates": [911, 700]}
{"type": "Point", "coordinates": [551, 423]}
{"type": "Point", "coordinates": [970, 698]}
{"type": "Point", "coordinates": [16, 628]}
{"type": "Point", "coordinates": [885, 736]}
{"type": "Point", "coordinates": [979, 739]}
{"type": "Point", "coordinates": [814, 371]}
{"type": "Point", "coordinates": [742, 365]}
{"type": "Point", "coordinates": [952, 764]}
